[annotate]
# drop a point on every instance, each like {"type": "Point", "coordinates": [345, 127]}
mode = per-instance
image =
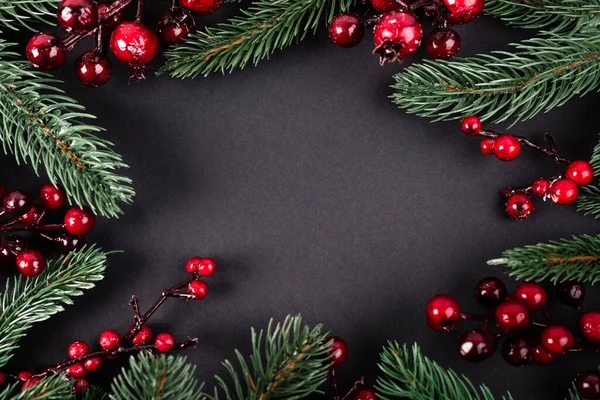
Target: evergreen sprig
{"type": "Point", "coordinates": [575, 258]}
{"type": "Point", "coordinates": [26, 301]}
{"type": "Point", "coordinates": [406, 373]}
{"type": "Point", "coordinates": [266, 26]}
{"type": "Point", "coordinates": [39, 125]}
{"type": "Point", "coordinates": [15, 14]}
{"type": "Point", "coordinates": [55, 387]}
{"type": "Point", "coordinates": [588, 200]}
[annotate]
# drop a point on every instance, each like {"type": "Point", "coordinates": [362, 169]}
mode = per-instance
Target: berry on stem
{"type": "Point", "coordinates": [76, 370]}
{"type": "Point", "coordinates": [134, 44]}
{"type": "Point", "coordinates": [93, 69]}
{"type": "Point", "coordinates": [571, 293]}
{"type": "Point", "coordinates": [563, 191]}
{"type": "Point", "coordinates": [365, 393]}
{"type": "Point", "coordinates": [198, 289]}
{"type": "Point", "coordinates": [383, 6]}
{"type": "Point", "coordinates": [443, 43]}
{"type": "Point", "coordinates": [78, 348]}
{"type": "Point", "coordinates": [93, 364]}
{"type": "Point", "coordinates": [113, 21]}
{"type": "Point", "coordinates": [79, 221]}
{"type": "Point", "coordinates": [144, 336]}
{"type": "Point", "coordinates": [203, 266]}
{"type": "Point", "coordinates": [532, 294]}
{"type": "Point", "coordinates": [463, 11]}
{"type": "Point", "coordinates": [476, 345]}
{"type": "Point", "coordinates": [487, 146]}
{"type": "Point", "coordinates": [32, 216]}
{"type": "Point", "coordinates": [173, 27]}
{"type": "Point", "coordinates": [557, 339]}
{"type": "Point", "coordinates": [490, 292]}
{"type": "Point", "coordinates": [519, 206]}
{"type": "Point", "coordinates": [201, 7]}
{"type": "Point", "coordinates": [24, 375]}
{"type": "Point", "coordinates": [17, 203]}
{"type": "Point", "coordinates": [541, 356]}
{"type": "Point", "coordinates": [346, 30]}
{"type": "Point", "coordinates": [517, 352]}
{"type": "Point", "coordinates": [338, 350]}
{"type": "Point", "coordinates": [589, 324]}
{"type": "Point", "coordinates": [443, 313]}
{"type": "Point", "coordinates": [31, 262]}
{"type": "Point", "coordinates": [588, 384]}
{"type": "Point", "coordinates": [52, 197]}
{"type": "Point", "coordinates": [164, 342]}
{"type": "Point", "coordinates": [46, 51]}
{"type": "Point", "coordinates": [110, 339]}
{"type": "Point", "coordinates": [506, 147]}
{"type": "Point", "coordinates": [69, 242]}
{"type": "Point", "coordinates": [512, 315]}
{"type": "Point", "coordinates": [80, 386]}
{"type": "Point", "coordinates": [540, 187]}
{"type": "Point", "coordinates": [397, 35]}
{"type": "Point", "coordinates": [77, 15]}
{"type": "Point", "coordinates": [471, 125]}
{"type": "Point", "coordinates": [581, 172]}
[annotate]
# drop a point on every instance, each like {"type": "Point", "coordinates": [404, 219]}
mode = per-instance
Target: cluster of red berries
{"type": "Point", "coordinates": [28, 215]}
{"type": "Point", "coordinates": [561, 189]}
{"type": "Point", "coordinates": [528, 340]}
{"type": "Point", "coordinates": [398, 33]}
{"type": "Point", "coordinates": [131, 42]}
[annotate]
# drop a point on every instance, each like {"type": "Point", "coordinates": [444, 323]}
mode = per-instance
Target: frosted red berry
{"type": "Point", "coordinates": [346, 29]}
{"type": "Point", "coordinates": [563, 191]}
{"type": "Point", "coordinates": [198, 290]}
{"type": "Point", "coordinates": [52, 197]}
{"type": "Point", "coordinates": [506, 147]}
{"type": "Point", "coordinates": [365, 393]}
{"type": "Point", "coordinates": [589, 324]}
{"type": "Point", "coordinates": [76, 370]}
{"type": "Point", "coordinates": [110, 339]}
{"type": "Point", "coordinates": [77, 15]}
{"type": "Point", "coordinates": [581, 172]}
{"type": "Point", "coordinates": [338, 350]}
{"type": "Point", "coordinates": [443, 43]}
{"type": "Point", "coordinates": [173, 27]}
{"type": "Point", "coordinates": [31, 262]}
{"type": "Point", "coordinates": [476, 345]}
{"type": "Point", "coordinates": [79, 221]}
{"type": "Point", "coordinates": [443, 313]}
{"type": "Point", "coordinates": [490, 292]}
{"type": "Point", "coordinates": [144, 336]}
{"type": "Point", "coordinates": [134, 44]}
{"type": "Point", "coordinates": [32, 216]}
{"type": "Point", "coordinates": [46, 51]}
{"type": "Point", "coordinates": [463, 11]}
{"type": "Point", "coordinates": [557, 339]}
{"type": "Point", "coordinates": [93, 69]}
{"type": "Point", "coordinates": [588, 385]}
{"type": "Point", "coordinates": [541, 356]}
{"type": "Point", "coordinates": [532, 294]}
{"type": "Point", "coordinates": [93, 364]}
{"type": "Point", "coordinates": [512, 315]}
{"type": "Point", "coordinates": [487, 146]}
{"type": "Point", "coordinates": [164, 342]}
{"type": "Point", "coordinates": [519, 206]}
{"type": "Point", "coordinates": [29, 383]}
{"type": "Point", "coordinates": [397, 35]}
{"type": "Point", "coordinates": [78, 348]}
{"type": "Point", "coordinates": [471, 125]}
{"type": "Point", "coordinates": [112, 22]}
{"type": "Point", "coordinates": [517, 352]}
{"type": "Point", "coordinates": [540, 187]}
{"type": "Point", "coordinates": [17, 203]}
{"type": "Point", "coordinates": [201, 7]}
{"type": "Point", "coordinates": [80, 386]}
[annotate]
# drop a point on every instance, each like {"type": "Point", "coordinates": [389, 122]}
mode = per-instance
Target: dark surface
{"type": "Point", "coordinates": [316, 196]}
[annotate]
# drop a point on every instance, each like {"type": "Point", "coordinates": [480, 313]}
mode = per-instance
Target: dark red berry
{"type": "Point", "coordinates": [443, 43]}
{"type": "Point", "coordinates": [532, 294]}
{"type": "Point", "coordinates": [134, 44]}
{"type": "Point", "coordinates": [78, 348]}
{"type": "Point", "coordinates": [490, 292]}
{"type": "Point", "coordinates": [52, 197]}
{"type": "Point", "coordinates": [80, 386]}
{"type": "Point", "coordinates": [79, 221]}
{"type": "Point", "coordinates": [365, 393]}
{"type": "Point", "coordinates": [77, 15]}
{"type": "Point", "coordinates": [17, 203]}
{"type": "Point", "coordinates": [174, 27]}
{"type": "Point", "coordinates": [203, 266]}
{"type": "Point", "coordinates": [588, 385]}
{"type": "Point", "coordinates": [112, 22]}
{"type": "Point", "coordinates": [24, 375]}
{"type": "Point", "coordinates": [519, 206]}
{"type": "Point", "coordinates": [338, 350]}
{"type": "Point", "coordinates": [110, 339]}
{"type": "Point", "coordinates": [476, 345]}
{"type": "Point", "coordinates": [589, 323]}
{"type": "Point", "coordinates": [517, 352]}
{"type": "Point", "coordinates": [563, 191]}
{"type": "Point", "coordinates": [76, 370]}
{"type": "Point", "coordinates": [512, 315]}
{"type": "Point", "coordinates": [31, 262]}
{"type": "Point", "coordinates": [581, 172]}
{"type": "Point", "coordinates": [571, 293]}
{"type": "Point", "coordinates": [471, 125]}
{"type": "Point", "coordinates": [557, 339]}
{"type": "Point", "coordinates": [383, 6]}
{"type": "Point", "coordinates": [540, 187]}
{"type": "Point", "coordinates": [541, 356]}
{"type": "Point", "coordinates": [33, 216]}
{"type": "Point", "coordinates": [2, 378]}
{"type": "Point", "coordinates": [144, 336]}
{"type": "Point", "coordinates": [487, 146]}
{"type": "Point", "coordinates": [69, 242]}
{"type": "Point", "coordinates": [443, 313]}
{"type": "Point", "coordinates": [46, 51]}
{"type": "Point", "coordinates": [164, 342]}
{"type": "Point", "coordinates": [397, 35]}
{"type": "Point", "coordinates": [13, 244]}
{"type": "Point", "coordinates": [92, 364]}
{"type": "Point", "coordinates": [93, 69]}
{"type": "Point", "coordinates": [463, 11]}
{"type": "Point", "coordinates": [29, 383]}
{"type": "Point", "coordinates": [201, 7]}
{"type": "Point", "coordinates": [198, 290]}
{"type": "Point", "coordinates": [346, 30]}
{"type": "Point", "coordinates": [506, 147]}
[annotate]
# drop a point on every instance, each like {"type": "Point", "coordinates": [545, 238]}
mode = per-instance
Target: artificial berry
{"type": "Point", "coordinates": [443, 313]}
{"type": "Point", "coordinates": [346, 30]}
{"type": "Point", "coordinates": [69, 242]}
{"type": "Point", "coordinates": [338, 350]}
{"type": "Point", "coordinates": [144, 336]}
{"type": "Point", "coordinates": [571, 293]}
{"type": "Point", "coordinates": [365, 393]}
{"type": "Point", "coordinates": [581, 172]}
{"type": "Point", "coordinates": [76, 370]}
{"type": "Point", "coordinates": [471, 125]}
{"type": "Point", "coordinates": [17, 203]}
{"type": "Point", "coordinates": [24, 375]}
{"type": "Point", "coordinates": [397, 35]}
{"type": "Point", "coordinates": [52, 197]}
{"type": "Point", "coordinates": [463, 11]}
{"type": "Point", "coordinates": [588, 384]}
{"type": "Point", "coordinates": [110, 339]}
{"type": "Point", "coordinates": [557, 339]}
{"type": "Point", "coordinates": [29, 383]}
{"type": "Point", "coordinates": [173, 27]}
{"type": "Point", "coordinates": [32, 216]}
{"type": "Point", "coordinates": [112, 22]}
{"type": "Point", "coordinates": [198, 290]}
{"type": "Point", "coordinates": [79, 221]}
{"type": "Point", "coordinates": [78, 348]}
{"type": "Point", "coordinates": [201, 7]}
{"type": "Point", "coordinates": [541, 356]}
{"type": "Point", "coordinates": [487, 146]}
{"type": "Point", "coordinates": [77, 15]}
{"type": "Point", "coordinates": [490, 292]}
{"type": "Point", "coordinates": [383, 6]}
{"type": "Point", "coordinates": [517, 352]}
{"type": "Point", "coordinates": [134, 44]}
{"type": "Point", "coordinates": [476, 345]}
{"type": "Point", "coordinates": [203, 266]}
{"type": "Point", "coordinates": [512, 315]}
{"type": "Point", "coordinates": [31, 262]}
{"type": "Point", "coordinates": [92, 364]}
{"type": "Point", "coordinates": [443, 43]}
{"type": "Point", "coordinates": [93, 69]}
{"type": "Point", "coordinates": [532, 294]}
{"type": "Point", "coordinates": [164, 342]}
{"type": "Point", "coordinates": [46, 51]}
{"type": "Point", "coordinates": [589, 323]}
{"type": "Point", "coordinates": [80, 386]}
{"type": "Point", "coordinates": [563, 191]}
{"type": "Point", "coordinates": [540, 187]}
{"type": "Point", "coordinates": [506, 147]}
{"type": "Point", "coordinates": [519, 206]}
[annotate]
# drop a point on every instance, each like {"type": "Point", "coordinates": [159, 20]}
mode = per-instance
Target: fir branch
{"type": "Point", "coordinates": [291, 363]}
{"type": "Point", "coordinates": [53, 388]}
{"type": "Point", "coordinates": [40, 125]}
{"type": "Point", "coordinates": [542, 74]}
{"type": "Point", "coordinates": [23, 13]}
{"type": "Point", "coordinates": [94, 393]}
{"type": "Point", "coordinates": [409, 374]}
{"type": "Point", "coordinates": [575, 258]}
{"type": "Point", "coordinates": [26, 301]}
{"type": "Point", "coordinates": [266, 26]}
{"type": "Point", "coordinates": [588, 200]}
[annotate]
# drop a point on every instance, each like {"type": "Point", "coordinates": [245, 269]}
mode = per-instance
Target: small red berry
{"type": "Point", "coordinates": [588, 385]}
{"type": "Point", "coordinates": [203, 266]}
{"type": "Point", "coordinates": [563, 191]}
{"type": "Point", "coordinates": [443, 313]}
{"type": "Point", "coordinates": [581, 172]}
{"type": "Point", "coordinates": [507, 147]}
{"type": "Point", "coordinates": [346, 30]}
{"type": "Point", "coordinates": [79, 221]}
{"type": "Point", "coordinates": [471, 125]}
{"type": "Point", "coordinates": [164, 342]}
{"type": "Point", "coordinates": [174, 27]}
{"type": "Point", "coordinates": [24, 375]}
{"type": "Point", "coordinates": [110, 339]}
{"type": "Point", "coordinates": [589, 323]}
{"type": "Point", "coordinates": [557, 339]}
{"type": "Point", "coordinates": [540, 187]}
{"type": "Point", "coordinates": [46, 51]}
{"type": "Point", "coordinates": [571, 293]}
{"type": "Point", "coordinates": [365, 393]}
{"type": "Point", "coordinates": [80, 386]}
{"type": "Point", "coordinates": [443, 43]}
{"type": "Point", "coordinates": [383, 6]}
{"type": "Point", "coordinates": [532, 294]}
{"type": "Point", "coordinates": [512, 315]}
{"type": "Point", "coordinates": [134, 44]}
{"type": "Point", "coordinates": [198, 290]}
{"type": "Point", "coordinates": [113, 21]}
{"type": "Point", "coordinates": [487, 146]}
{"type": "Point", "coordinates": [144, 336]}
{"type": "Point", "coordinates": [519, 206]}
{"type": "Point", "coordinates": [92, 364]}
{"type": "Point", "coordinates": [29, 383]}
{"type": "Point", "coordinates": [517, 351]}
{"type": "Point", "coordinates": [17, 203]}
{"type": "Point", "coordinates": [76, 370]}
{"type": "Point", "coordinates": [78, 348]}
{"type": "Point", "coordinates": [52, 197]}
{"type": "Point", "coordinates": [32, 216]}
{"type": "Point", "coordinates": [476, 345]}
{"type": "Point", "coordinates": [490, 292]}
{"type": "Point", "coordinates": [77, 15]}
{"type": "Point", "coordinates": [93, 69]}
{"type": "Point", "coordinates": [463, 11]}
{"type": "Point", "coordinates": [541, 356]}
{"type": "Point", "coordinates": [397, 35]}
{"type": "Point", "coordinates": [201, 7]}
{"type": "Point", "coordinates": [31, 262]}
{"type": "Point", "coordinates": [338, 350]}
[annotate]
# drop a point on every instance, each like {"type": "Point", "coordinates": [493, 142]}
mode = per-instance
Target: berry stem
{"type": "Point", "coordinates": [140, 9]}
{"type": "Point", "coordinates": [11, 227]}
{"type": "Point", "coordinates": [551, 152]}
{"type": "Point", "coordinates": [99, 40]}
{"type": "Point", "coordinates": [334, 387]}
{"type": "Point", "coordinates": [360, 382]}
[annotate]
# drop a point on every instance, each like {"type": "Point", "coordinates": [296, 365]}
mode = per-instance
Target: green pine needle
{"type": "Point", "coordinates": [15, 14]}
{"type": "Point", "coordinates": [406, 373]}
{"type": "Point", "coordinates": [588, 200]}
{"type": "Point", "coordinates": [42, 126]}
{"type": "Point", "coordinates": [55, 387]}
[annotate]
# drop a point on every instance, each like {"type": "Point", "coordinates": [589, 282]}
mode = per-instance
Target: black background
{"type": "Point", "coordinates": [316, 196]}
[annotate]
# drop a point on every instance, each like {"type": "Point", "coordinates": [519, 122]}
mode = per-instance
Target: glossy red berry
{"type": "Point", "coordinates": [443, 313]}
{"type": "Point", "coordinates": [517, 352]}
{"type": "Point", "coordinates": [77, 15]}
{"type": "Point", "coordinates": [93, 69]}
{"type": "Point", "coordinates": [69, 242]}
{"type": "Point", "coordinates": [93, 364]}
{"type": "Point", "coordinates": [476, 345]}
{"type": "Point", "coordinates": [588, 385]}
{"type": "Point", "coordinates": [383, 6]}
{"type": "Point", "coordinates": [512, 315]}
{"type": "Point", "coordinates": [31, 262]}
{"type": "Point", "coordinates": [532, 294]}
{"type": "Point", "coordinates": [519, 206]}
{"type": "Point", "coordinates": [76, 370]}
{"type": "Point", "coordinates": [487, 146]}
{"type": "Point", "coordinates": [79, 221]}
{"type": "Point", "coordinates": [443, 43]}
{"type": "Point", "coordinates": [110, 339]}
{"type": "Point", "coordinates": [338, 350]}
{"type": "Point", "coordinates": [581, 172]}
{"type": "Point", "coordinates": [29, 383]}
{"type": "Point", "coordinates": [164, 342]}
{"type": "Point", "coordinates": [198, 290]}
{"type": "Point", "coordinates": [557, 339]}
{"type": "Point", "coordinates": [346, 29]}
{"type": "Point", "coordinates": [397, 35]}
{"type": "Point", "coordinates": [563, 191]}
{"type": "Point", "coordinates": [463, 11]}
{"type": "Point", "coordinates": [134, 44]}
{"type": "Point", "coordinates": [80, 386]}
{"type": "Point", "coordinates": [17, 203]}
{"type": "Point", "coordinates": [506, 147]}
{"type": "Point", "coordinates": [78, 348]}
{"type": "Point", "coordinates": [203, 266]}
{"type": "Point", "coordinates": [365, 393]}
{"type": "Point", "coordinates": [112, 22]}
{"type": "Point", "coordinates": [46, 51]}
{"type": "Point", "coordinates": [490, 292]}
{"type": "Point", "coordinates": [201, 7]}
{"type": "Point", "coordinates": [541, 356]}
{"type": "Point", "coordinates": [144, 336]}
{"type": "Point", "coordinates": [52, 197]}
{"type": "Point", "coordinates": [173, 28]}
{"type": "Point", "coordinates": [540, 187]}
{"type": "Point", "coordinates": [24, 375]}
{"type": "Point", "coordinates": [571, 293]}
{"type": "Point", "coordinates": [33, 216]}
{"type": "Point", "coordinates": [589, 323]}
{"type": "Point", "coordinates": [471, 125]}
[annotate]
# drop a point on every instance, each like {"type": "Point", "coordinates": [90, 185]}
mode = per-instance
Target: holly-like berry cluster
{"type": "Point", "coordinates": [561, 189]}
{"type": "Point", "coordinates": [26, 215]}
{"type": "Point", "coordinates": [398, 33]}
{"type": "Point", "coordinates": [131, 42]}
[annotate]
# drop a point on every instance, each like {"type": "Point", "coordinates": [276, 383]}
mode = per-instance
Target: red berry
{"type": "Point", "coordinates": [383, 6]}
{"type": "Point", "coordinates": [512, 315]}
{"type": "Point", "coordinates": [79, 221]}
{"type": "Point", "coordinates": [540, 187]}
{"type": "Point", "coordinates": [198, 290]}
{"type": "Point", "coordinates": [113, 21]}
{"type": "Point", "coordinates": [541, 356]}
{"type": "Point", "coordinates": [134, 44]}
{"type": "Point", "coordinates": [588, 385]}
{"type": "Point", "coordinates": [80, 386]}
{"type": "Point", "coordinates": [346, 29]}
{"type": "Point", "coordinates": [557, 339]}
{"type": "Point", "coordinates": [77, 15]}
{"type": "Point", "coordinates": [532, 294]}
{"type": "Point", "coordinates": [397, 35]}
{"type": "Point", "coordinates": [203, 266]}
{"type": "Point", "coordinates": [571, 293]}
{"type": "Point", "coordinates": [76, 370]}
{"type": "Point", "coordinates": [476, 345]}
{"type": "Point", "coordinates": [92, 364]}
{"type": "Point", "coordinates": [52, 197]}
{"type": "Point", "coordinates": [24, 375]}
{"type": "Point", "coordinates": [443, 43]}
{"type": "Point", "coordinates": [338, 350]}
{"type": "Point", "coordinates": [78, 348]}
{"type": "Point", "coordinates": [93, 69]}
{"type": "Point", "coordinates": [46, 51]}
{"type": "Point", "coordinates": [110, 339]}
{"type": "Point", "coordinates": [144, 336]}
{"type": "Point", "coordinates": [32, 216]}
{"type": "Point", "coordinates": [581, 172]}
{"type": "Point", "coordinates": [164, 342]}
{"type": "Point", "coordinates": [443, 313]}
{"type": "Point", "coordinates": [201, 7]}
{"type": "Point", "coordinates": [173, 27]}
{"type": "Point", "coordinates": [365, 393]}
{"type": "Point", "coordinates": [506, 147]}
{"type": "Point", "coordinates": [589, 323]}
{"type": "Point", "coordinates": [31, 262]}
{"type": "Point", "coordinates": [17, 203]}
{"type": "Point", "coordinates": [519, 206]}
{"type": "Point", "coordinates": [487, 146]}
{"type": "Point", "coordinates": [471, 125]}
{"type": "Point", "coordinates": [490, 292]}
{"type": "Point", "coordinates": [517, 352]}
{"type": "Point", "coordinates": [463, 11]}
{"type": "Point", "coordinates": [563, 191]}
{"type": "Point", "coordinates": [29, 383]}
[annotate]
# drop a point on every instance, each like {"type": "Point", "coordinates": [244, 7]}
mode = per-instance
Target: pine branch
{"type": "Point", "coordinates": [26, 301]}
{"type": "Point", "coordinates": [588, 200]}
{"type": "Point", "coordinates": [409, 374]}
{"type": "Point", "coordinates": [575, 258]}
{"type": "Point", "coordinates": [40, 125]}
{"type": "Point", "coordinates": [53, 388]}
{"type": "Point", "coordinates": [94, 393]}
{"type": "Point", "coordinates": [291, 363]}
{"type": "Point", "coordinates": [23, 13]}
{"type": "Point", "coordinates": [542, 74]}
{"type": "Point", "coordinates": [266, 26]}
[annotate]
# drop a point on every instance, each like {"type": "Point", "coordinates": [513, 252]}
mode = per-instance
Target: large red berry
{"type": "Point", "coordinates": [540, 187]}
{"type": "Point", "coordinates": [443, 313]}
{"type": "Point", "coordinates": [46, 51]}
{"type": "Point", "coordinates": [519, 206]}
{"type": "Point", "coordinates": [532, 294]}
{"type": "Point", "coordinates": [581, 172]}
{"type": "Point", "coordinates": [541, 356]}
{"type": "Point", "coordinates": [17, 203]}
{"type": "Point", "coordinates": [589, 323]}
{"type": "Point", "coordinates": [512, 315]}
{"type": "Point", "coordinates": [338, 350]}
{"type": "Point", "coordinates": [31, 262]}
{"type": "Point", "coordinates": [173, 27]}
{"type": "Point", "coordinates": [506, 147]}
{"type": "Point", "coordinates": [563, 191]}
{"type": "Point", "coordinates": [476, 345]}
{"type": "Point", "coordinates": [164, 342]}
{"type": "Point", "coordinates": [93, 69]}
{"type": "Point", "coordinates": [443, 43]}
{"type": "Point", "coordinates": [346, 29]}
{"type": "Point", "coordinates": [201, 7]}
{"type": "Point", "coordinates": [77, 15]}
{"type": "Point", "coordinates": [52, 197]}
{"type": "Point", "coordinates": [110, 339]}
{"type": "Point", "coordinates": [79, 221]}
{"type": "Point", "coordinates": [144, 336]}
{"type": "Point", "coordinates": [463, 11]}
{"type": "Point", "coordinates": [92, 364]}
{"type": "Point", "coordinates": [78, 348]}
{"type": "Point", "coordinates": [397, 35]}
{"type": "Point", "coordinates": [588, 385]}
{"type": "Point", "coordinates": [76, 370]}
{"type": "Point", "coordinates": [198, 290]}
{"type": "Point", "coordinates": [112, 22]}
{"type": "Point", "coordinates": [134, 44]}
{"type": "Point", "coordinates": [365, 393]}
{"type": "Point", "coordinates": [557, 339]}
{"type": "Point", "coordinates": [487, 146]}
